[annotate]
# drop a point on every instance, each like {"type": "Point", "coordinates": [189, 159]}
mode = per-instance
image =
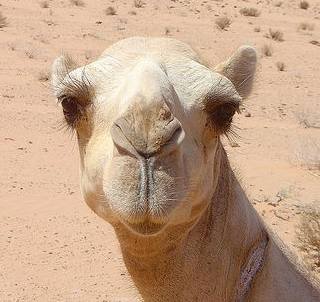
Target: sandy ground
{"type": "Point", "coordinates": [52, 248]}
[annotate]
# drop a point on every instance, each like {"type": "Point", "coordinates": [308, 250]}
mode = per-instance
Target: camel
{"type": "Point", "coordinates": [149, 115]}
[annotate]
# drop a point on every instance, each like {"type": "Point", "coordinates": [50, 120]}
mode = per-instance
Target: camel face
{"type": "Point", "coordinates": [145, 178]}
{"type": "Point", "coordinates": [148, 126]}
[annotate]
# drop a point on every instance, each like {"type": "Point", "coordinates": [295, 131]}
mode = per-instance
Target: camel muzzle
{"type": "Point", "coordinates": [160, 139]}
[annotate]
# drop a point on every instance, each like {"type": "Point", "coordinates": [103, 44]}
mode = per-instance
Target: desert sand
{"type": "Point", "coordinates": [52, 247]}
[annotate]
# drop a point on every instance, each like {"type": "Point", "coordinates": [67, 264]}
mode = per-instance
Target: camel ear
{"type": "Point", "coordinates": [240, 69]}
{"type": "Point", "coordinates": [60, 68]}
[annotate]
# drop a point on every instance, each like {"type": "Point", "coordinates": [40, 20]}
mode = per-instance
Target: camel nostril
{"type": "Point", "coordinates": [122, 143]}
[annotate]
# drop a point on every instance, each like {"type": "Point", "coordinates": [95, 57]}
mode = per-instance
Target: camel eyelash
{"type": "Point", "coordinates": [220, 115]}
{"type": "Point", "coordinates": [72, 110]}
{"type": "Point", "coordinates": [75, 96]}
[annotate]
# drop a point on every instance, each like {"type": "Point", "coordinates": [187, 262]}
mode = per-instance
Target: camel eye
{"type": "Point", "coordinates": [221, 116]}
{"type": "Point", "coordinates": [71, 109]}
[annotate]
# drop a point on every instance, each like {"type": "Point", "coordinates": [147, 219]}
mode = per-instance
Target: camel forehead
{"type": "Point", "coordinates": [146, 84]}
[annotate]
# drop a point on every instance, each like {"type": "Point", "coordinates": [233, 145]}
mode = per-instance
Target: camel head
{"type": "Point", "coordinates": [148, 124]}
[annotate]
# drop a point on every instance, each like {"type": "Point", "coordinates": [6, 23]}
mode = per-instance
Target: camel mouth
{"type": "Point", "coordinates": [146, 228]}
{"type": "Point", "coordinates": [143, 194]}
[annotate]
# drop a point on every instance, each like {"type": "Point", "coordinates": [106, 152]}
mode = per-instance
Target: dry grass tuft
{"type": "Point", "coordinates": [276, 35]}
{"type": "Point", "coordinates": [110, 11]}
{"type": "Point", "coordinates": [44, 76]}
{"type": "Point", "coordinates": [3, 21]}
{"type": "Point", "coordinates": [308, 236]}
{"type": "Point", "coordinates": [132, 12]}
{"type": "Point", "coordinates": [278, 3]}
{"type": "Point", "coordinates": [138, 3]}
{"type": "Point", "coordinates": [309, 119]}
{"type": "Point", "coordinates": [281, 66]}
{"type": "Point", "coordinates": [306, 26]}
{"type": "Point", "coordinates": [249, 12]}
{"type": "Point", "coordinates": [315, 42]}
{"type": "Point", "coordinates": [307, 154]}
{"type": "Point", "coordinates": [44, 4]}
{"type": "Point", "coordinates": [304, 4]}
{"type": "Point", "coordinates": [223, 22]}
{"type": "Point", "coordinates": [257, 29]}
{"type": "Point", "coordinates": [77, 2]}
{"type": "Point", "coordinates": [267, 50]}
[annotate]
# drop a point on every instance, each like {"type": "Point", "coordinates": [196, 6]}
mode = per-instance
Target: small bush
{"type": "Point", "coordinates": [281, 66]}
{"type": "Point", "coordinates": [304, 4]}
{"type": "Point", "coordinates": [249, 12]}
{"type": "Point", "coordinates": [276, 35]}
{"type": "Point", "coordinates": [267, 50]}
{"type": "Point", "coordinates": [3, 21]}
{"type": "Point", "coordinates": [44, 4]}
{"type": "Point", "coordinates": [138, 3]}
{"type": "Point", "coordinates": [223, 22]}
{"type": "Point", "coordinates": [308, 236]}
{"type": "Point", "coordinates": [278, 3]}
{"type": "Point", "coordinates": [110, 11]}
{"type": "Point", "coordinates": [257, 29]}
{"type": "Point", "coordinates": [77, 2]}
{"type": "Point", "coordinates": [306, 26]}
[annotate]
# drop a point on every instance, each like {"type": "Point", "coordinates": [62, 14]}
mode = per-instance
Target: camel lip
{"type": "Point", "coordinates": [146, 228]}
